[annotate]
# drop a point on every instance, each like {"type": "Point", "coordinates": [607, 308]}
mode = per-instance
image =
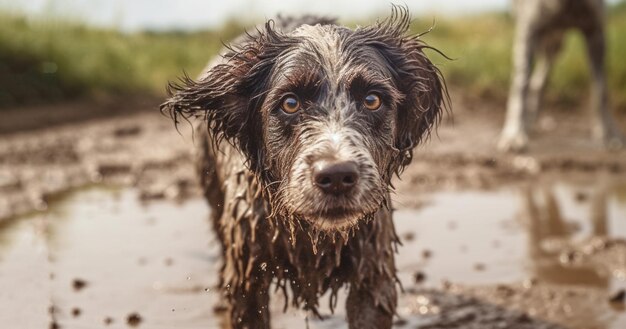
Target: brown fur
{"type": "Point", "coordinates": [254, 158]}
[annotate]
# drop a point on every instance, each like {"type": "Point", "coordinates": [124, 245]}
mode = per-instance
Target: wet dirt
{"type": "Point", "coordinates": [102, 225]}
{"type": "Point", "coordinates": [123, 262]}
{"type": "Point", "coordinates": [543, 251]}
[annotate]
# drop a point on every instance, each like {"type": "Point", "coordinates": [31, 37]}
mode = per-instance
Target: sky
{"type": "Point", "coordinates": [133, 15]}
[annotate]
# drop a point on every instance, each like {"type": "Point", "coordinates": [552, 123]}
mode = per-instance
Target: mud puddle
{"type": "Point", "coordinates": [103, 259]}
{"type": "Point", "coordinates": [555, 252]}
{"type": "Point", "coordinates": [512, 234]}
{"type": "Point", "coordinates": [548, 256]}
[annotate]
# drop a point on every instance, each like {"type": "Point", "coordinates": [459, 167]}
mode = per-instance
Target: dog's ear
{"type": "Point", "coordinates": [425, 98]}
{"type": "Point", "coordinates": [421, 82]}
{"type": "Point", "coordinates": [229, 95]}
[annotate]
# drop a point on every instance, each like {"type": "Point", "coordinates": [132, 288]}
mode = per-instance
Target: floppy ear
{"type": "Point", "coordinates": [421, 82]}
{"type": "Point", "coordinates": [230, 94]}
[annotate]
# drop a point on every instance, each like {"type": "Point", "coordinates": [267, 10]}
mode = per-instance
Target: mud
{"type": "Point", "coordinates": [141, 150]}
{"type": "Point", "coordinates": [497, 255]}
{"type": "Point", "coordinates": [102, 225]}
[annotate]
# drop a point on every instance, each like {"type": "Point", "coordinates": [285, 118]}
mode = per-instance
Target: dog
{"type": "Point", "coordinates": [540, 27]}
{"type": "Point", "coordinates": [304, 124]}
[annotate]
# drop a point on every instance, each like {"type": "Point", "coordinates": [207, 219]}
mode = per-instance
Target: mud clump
{"type": "Point", "coordinates": [400, 323]}
{"type": "Point", "coordinates": [134, 319]}
{"type": "Point", "coordinates": [409, 236]}
{"type": "Point", "coordinates": [419, 277]}
{"type": "Point", "coordinates": [555, 305]}
{"type": "Point", "coordinates": [618, 298]}
{"type": "Point", "coordinates": [126, 151]}
{"type": "Point", "coordinates": [79, 284]}
{"type": "Point", "coordinates": [446, 310]}
{"type": "Point", "coordinates": [127, 131]}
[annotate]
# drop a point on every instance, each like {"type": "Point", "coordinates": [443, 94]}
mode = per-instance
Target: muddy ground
{"type": "Point", "coordinates": [102, 225]}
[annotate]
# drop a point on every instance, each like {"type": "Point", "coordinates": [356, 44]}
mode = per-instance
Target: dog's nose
{"type": "Point", "coordinates": [334, 177]}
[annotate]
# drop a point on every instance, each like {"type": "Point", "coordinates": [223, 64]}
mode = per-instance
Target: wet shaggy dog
{"type": "Point", "coordinates": [305, 123]}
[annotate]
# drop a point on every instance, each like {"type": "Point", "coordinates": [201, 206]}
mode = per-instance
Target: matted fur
{"type": "Point", "coordinates": [274, 225]}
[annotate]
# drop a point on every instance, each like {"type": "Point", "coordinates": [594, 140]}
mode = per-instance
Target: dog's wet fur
{"type": "Point", "coordinates": [259, 165]}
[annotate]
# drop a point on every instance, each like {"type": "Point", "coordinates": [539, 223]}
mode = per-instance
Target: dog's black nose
{"type": "Point", "coordinates": [335, 177]}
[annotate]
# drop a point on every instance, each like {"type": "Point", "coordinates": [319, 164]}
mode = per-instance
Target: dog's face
{"type": "Point", "coordinates": [330, 127]}
{"type": "Point", "coordinates": [324, 114]}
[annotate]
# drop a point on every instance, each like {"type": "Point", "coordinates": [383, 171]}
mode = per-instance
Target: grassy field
{"type": "Point", "coordinates": [42, 61]}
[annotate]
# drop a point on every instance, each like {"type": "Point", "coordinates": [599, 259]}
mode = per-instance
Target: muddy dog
{"type": "Point", "coordinates": [306, 123]}
{"type": "Point", "coordinates": [539, 31]}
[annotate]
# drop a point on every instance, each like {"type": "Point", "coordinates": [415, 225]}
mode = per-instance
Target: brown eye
{"type": "Point", "coordinates": [372, 102]}
{"type": "Point", "coordinates": [290, 104]}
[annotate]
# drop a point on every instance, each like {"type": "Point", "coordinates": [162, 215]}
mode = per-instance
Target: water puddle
{"type": "Point", "coordinates": [101, 258]}
{"type": "Point", "coordinates": [553, 234]}
{"type": "Point", "coordinates": [511, 234]}
{"type": "Point", "coordinates": [109, 260]}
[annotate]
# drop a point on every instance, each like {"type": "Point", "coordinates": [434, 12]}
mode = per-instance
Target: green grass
{"type": "Point", "coordinates": [480, 48]}
{"type": "Point", "coordinates": [42, 61]}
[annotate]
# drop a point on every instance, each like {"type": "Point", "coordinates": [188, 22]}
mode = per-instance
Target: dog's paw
{"type": "Point", "coordinates": [514, 143]}
{"type": "Point", "coordinates": [614, 142]}
{"type": "Point", "coordinates": [610, 137]}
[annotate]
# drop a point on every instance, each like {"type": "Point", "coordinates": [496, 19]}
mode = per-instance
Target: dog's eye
{"type": "Point", "coordinates": [372, 102]}
{"type": "Point", "coordinates": [290, 104]}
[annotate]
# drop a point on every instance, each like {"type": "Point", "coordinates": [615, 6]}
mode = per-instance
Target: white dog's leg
{"type": "Point", "coordinates": [514, 136]}
{"type": "Point", "coordinates": [546, 55]}
{"type": "Point", "coordinates": [604, 128]}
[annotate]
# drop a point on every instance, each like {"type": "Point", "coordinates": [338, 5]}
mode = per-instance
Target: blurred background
{"type": "Point", "coordinates": [102, 223]}
{"type": "Point", "coordinates": [54, 50]}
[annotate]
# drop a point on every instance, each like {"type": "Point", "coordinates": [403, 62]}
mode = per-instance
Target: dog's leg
{"type": "Point", "coordinates": [367, 305]}
{"type": "Point", "coordinates": [604, 128]}
{"type": "Point", "coordinates": [599, 211]}
{"type": "Point", "coordinates": [248, 303]}
{"type": "Point", "coordinates": [245, 280]}
{"type": "Point", "coordinates": [372, 302]}
{"type": "Point", "coordinates": [514, 136]}
{"type": "Point", "coordinates": [546, 55]}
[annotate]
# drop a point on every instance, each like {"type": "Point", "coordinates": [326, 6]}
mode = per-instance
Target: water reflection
{"type": "Point", "coordinates": [568, 237]}
{"type": "Point", "coordinates": [550, 235]}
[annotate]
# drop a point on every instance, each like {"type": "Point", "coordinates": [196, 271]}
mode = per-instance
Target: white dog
{"type": "Point", "coordinates": [540, 27]}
